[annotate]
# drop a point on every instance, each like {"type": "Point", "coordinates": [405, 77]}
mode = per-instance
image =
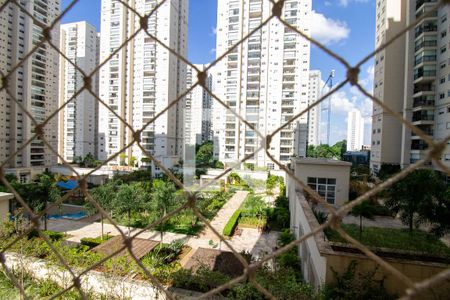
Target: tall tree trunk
{"type": "Point", "coordinates": [360, 227]}
{"type": "Point", "coordinates": [129, 222]}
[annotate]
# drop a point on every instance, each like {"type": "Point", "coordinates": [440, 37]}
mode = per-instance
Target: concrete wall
{"type": "Point", "coordinates": [319, 168]}
{"type": "Point", "coordinates": [4, 205]}
{"type": "Point", "coordinates": [415, 270]}
{"type": "Point", "coordinates": [318, 258]}
{"type": "Point", "coordinates": [313, 264]}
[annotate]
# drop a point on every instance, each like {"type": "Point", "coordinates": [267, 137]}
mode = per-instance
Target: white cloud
{"type": "Point", "coordinates": [327, 30]}
{"type": "Point", "coordinates": [345, 3]}
{"type": "Point", "coordinates": [213, 30]}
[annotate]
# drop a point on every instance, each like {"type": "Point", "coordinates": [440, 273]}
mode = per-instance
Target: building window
{"type": "Point", "coordinates": [325, 187]}
{"type": "Point", "coordinates": [270, 166]}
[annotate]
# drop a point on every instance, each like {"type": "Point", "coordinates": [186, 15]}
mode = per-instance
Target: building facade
{"type": "Point", "coordinates": [141, 79]}
{"type": "Point", "coordinates": [427, 81]}
{"type": "Point", "coordinates": [198, 113]}
{"type": "Point", "coordinates": [314, 93]}
{"type": "Point", "coordinates": [78, 120]}
{"type": "Point", "coordinates": [264, 80]}
{"type": "Point", "coordinates": [34, 84]}
{"type": "Point", "coordinates": [389, 79]}
{"type": "Point", "coordinates": [355, 130]}
{"type": "Point", "coordinates": [422, 95]}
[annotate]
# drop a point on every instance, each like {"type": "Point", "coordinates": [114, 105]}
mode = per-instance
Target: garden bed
{"type": "Point", "coordinates": [392, 238]}
{"type": "Point", "coordinates": [140, 247]}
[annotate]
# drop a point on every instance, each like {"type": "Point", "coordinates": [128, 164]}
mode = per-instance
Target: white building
{"type": "Point", "coordinates": [34, 84]}
{"type": "Point", "coordinates": [389, 79]}
{"type": "Point", "coordinates": [314, 93]}
{"type": "Point", "coordinates": [141, 79]}
{"type": "Point", "coordinates": [197, 117]}
{"type": "Point", "coordinates": [77, 121]}
{"type": "Point", "coordinates": [355, 130]}
{"type": "Point", "coordinates": [411, 76]}
{"type": "Point", "coordinates": [264, 79]}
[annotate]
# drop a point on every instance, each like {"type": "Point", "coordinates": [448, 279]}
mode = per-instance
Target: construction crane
{"type": "Point", "coordinates": [328, 83]}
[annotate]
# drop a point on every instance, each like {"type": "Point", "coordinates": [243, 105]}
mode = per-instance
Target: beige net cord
{"type": "Point", "coordinates": [334, 221]}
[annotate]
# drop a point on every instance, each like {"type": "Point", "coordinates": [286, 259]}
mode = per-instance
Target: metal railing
{"type": "Point", "coordinates": [434, 153]}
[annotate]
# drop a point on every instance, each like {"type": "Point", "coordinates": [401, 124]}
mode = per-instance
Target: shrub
{"type": "Point", "coordinates": [52, 235]}
{"type": "Point", "coordinates": [232, 223]}
{"type": "Point", "coordinates": [285, 237]}
{"type": "Point", "coordinates": [93, 242]}
{"type": "Point", "coordinates": [203, 280]}
{"type": "Point", "coordinates": [356, 285]}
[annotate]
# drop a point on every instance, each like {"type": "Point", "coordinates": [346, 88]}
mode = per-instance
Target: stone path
{"type": "Point", "coordinates": [223, 215]}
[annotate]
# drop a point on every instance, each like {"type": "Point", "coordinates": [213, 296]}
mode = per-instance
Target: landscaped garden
{"type": "Point", "coordinates": [401, 239]}
{"type": "Point", "coordinates": [140, 203]}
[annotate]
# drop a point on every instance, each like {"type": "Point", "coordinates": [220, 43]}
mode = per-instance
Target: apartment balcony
{"type": "Point", "coordinates": [425, 59]}
{"type": "Point", "coordinates": [428, 130]}
{"type": "Point", "coordinates": [419, 145]}
{"type": "Point", "coordinates": [424, 76]}
{"type": "Point", "coordinates": [421, 118]}
{"type": "Point", "coordinates": [421, 3]}
{"type": "Point", "coordinates": [252, 95]}
{"type": "Point", "coordinates": [423, 102]}
{"type": "Point", "coordinates": [424, 9]}
{"type": "Point", "coordinates": [427, 28]}
{"type": "Point", "coordinates": [425, 44]}
{"type": "Point", "coordinates": [424, 90]}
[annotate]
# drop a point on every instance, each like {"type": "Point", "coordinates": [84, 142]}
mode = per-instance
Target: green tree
{"type": "Point", "coordinates": [132, 161]}
{"type": "Point", "coordinates": [123, 158]}
{"type": "Point", "coordinates": [413, 194]}
{"type": "Point", "coordinates": [129, 198]}
{"type": "Point", "coordinates": [387, 170]}
{"type": "Point", "coordinates": [162, 199]}
{"type": "Point", "coordinates": [363, 210]}
{"type": "Point", "coordinates": [437, 213]}
{"type": "Point", "coordinates": [204, 155]}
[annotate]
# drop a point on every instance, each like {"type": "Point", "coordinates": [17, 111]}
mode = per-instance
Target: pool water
{"type": "Point", "coordinates": [74, 216]}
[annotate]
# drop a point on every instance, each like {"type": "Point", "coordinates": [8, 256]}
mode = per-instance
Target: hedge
{"type": "Point", "coordinates": [232, 223]}
{"type": "Point", "coordinates": [52, 235]}
{"type": "Point", "coordinates": [93, 242]}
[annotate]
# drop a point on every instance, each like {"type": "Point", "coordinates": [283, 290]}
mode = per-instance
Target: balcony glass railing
{"type": "Point", "coordinates": [421, 74]}
{"type": "Point", "coordinates": [417, 118]}
{"type": "Point", "coordinates": [419, 3]}
{"type": "Point", "coordinates": [426, 28]}
{"type": "Point", "coordinates": [422, 101]}
{"type": "Point", "coordinates": [426, 58]}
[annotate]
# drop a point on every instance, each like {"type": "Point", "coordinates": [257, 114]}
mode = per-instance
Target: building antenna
{"type": "Point", "coordinates": [329, 82]}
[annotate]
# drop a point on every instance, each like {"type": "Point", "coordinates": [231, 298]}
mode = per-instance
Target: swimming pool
{"type": "Point", "coordinates": [74, 216]}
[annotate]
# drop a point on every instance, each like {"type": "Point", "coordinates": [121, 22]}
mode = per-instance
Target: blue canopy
{"type": "Point", "coordinates": [69, 185]}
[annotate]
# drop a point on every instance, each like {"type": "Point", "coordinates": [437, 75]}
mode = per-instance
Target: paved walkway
{"type": "Point", "coordinates": [251, 240]}
{"type": "Point", "coordinates": [223, 215]}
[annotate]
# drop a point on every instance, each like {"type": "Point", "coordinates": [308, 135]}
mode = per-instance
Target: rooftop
{"type": "Point", "coordinates": [321, 161]}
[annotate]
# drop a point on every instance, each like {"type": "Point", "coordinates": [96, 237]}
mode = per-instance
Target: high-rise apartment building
{"type": "Point", "coordinates": [314, 93]}
{"type": "Point", "coordinates": [34, 84]}
{"type": "Point", "coordinates": [389, 79]}
{"type": "Point", "coordinates": [427, 81]}
{"type": "Point", "coordinates": [355, 130]}
{"type": "Point", "coordinates": [142, 78]}
{"type": "Point", "coordinates": [264, 79]}
{"type": "Point", "coordinates": [198, 104]}
{"type": "Point", "coordinates": [422, 94]}
{"type": "Point", "coordinates": [77, 121]}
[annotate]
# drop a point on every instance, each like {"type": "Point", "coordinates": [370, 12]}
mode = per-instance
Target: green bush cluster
{"type": "Point", "coordinates": [52, 235]}
{"type": "Point", "coordinates": [232, 223]}
{"type": "Point", "coordinates": [93, 242]}
{"type": "Point", "coordinates": [356, 285]}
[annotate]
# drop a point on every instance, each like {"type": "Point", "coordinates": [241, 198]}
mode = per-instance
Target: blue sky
{"type": "Point", "coordinates": [346, 26]}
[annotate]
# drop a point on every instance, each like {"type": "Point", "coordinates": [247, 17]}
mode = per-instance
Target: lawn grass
{"type": "Point", "coordinates": [401, 239]}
